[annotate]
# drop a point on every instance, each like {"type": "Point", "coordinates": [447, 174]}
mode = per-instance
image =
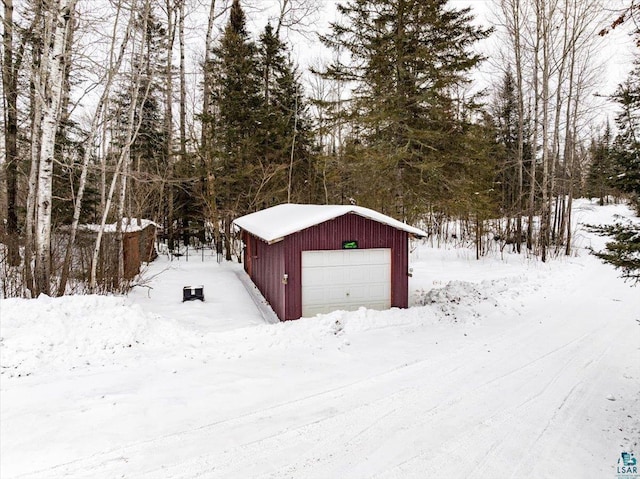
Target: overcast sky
{"type": "Point", "coordinates": [616, 53]}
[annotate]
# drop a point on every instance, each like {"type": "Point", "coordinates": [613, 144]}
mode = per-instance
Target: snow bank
{"type": "Point", "coordinates": [77, 331]}
{"type": "Point", "coordinates": [456, 302]}
{"type": "Point", "coordinates": [461, 301]}
{"type": "Point", "coordinates": [80, 332]}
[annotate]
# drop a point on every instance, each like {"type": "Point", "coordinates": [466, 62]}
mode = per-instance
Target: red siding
{"type": "Point", "coordinates": [266, 264]}
{"type": "Point", "coordinates": [330, 235]}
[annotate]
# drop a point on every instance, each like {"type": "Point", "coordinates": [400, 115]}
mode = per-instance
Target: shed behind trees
{"type": "Point", "coordinates": [310, 259]}
{"type": "Point", "coordinates": [138, 246]}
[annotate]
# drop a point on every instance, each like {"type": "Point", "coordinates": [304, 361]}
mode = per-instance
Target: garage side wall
{"type": "Point", "coordinates": [329, 236]}
{"type": "Point", "coordinates": [264, 264]}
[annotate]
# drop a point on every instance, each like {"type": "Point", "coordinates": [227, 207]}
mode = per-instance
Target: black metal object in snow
{"type": "Point", "coordinates": [190, 293]}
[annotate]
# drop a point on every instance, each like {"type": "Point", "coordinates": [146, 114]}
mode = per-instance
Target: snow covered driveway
{"type": "Point", "coordinates": [518, 369]}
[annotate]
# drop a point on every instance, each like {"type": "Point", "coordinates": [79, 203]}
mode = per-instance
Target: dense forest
{"type": "Point", "coordinates": [122, 110]}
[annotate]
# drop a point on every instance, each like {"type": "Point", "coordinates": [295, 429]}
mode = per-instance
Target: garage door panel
{"type": "Point", "coordinates": [369, 274]}
{"type": "Point", "coordinates": [345, 279]}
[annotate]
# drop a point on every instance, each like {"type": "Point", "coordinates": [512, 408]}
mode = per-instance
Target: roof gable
{"type": "Point", "coordinates": [273, 224]}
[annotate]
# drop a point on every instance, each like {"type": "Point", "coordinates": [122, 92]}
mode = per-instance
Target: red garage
{"type": "Point", "coordinates": [310, 259]}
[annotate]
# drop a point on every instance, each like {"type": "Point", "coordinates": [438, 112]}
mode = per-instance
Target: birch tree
{"type": "Point", "coordinates": [57, 21]}
{"type": "Point", "coordinates": [549, 41]}
{"type": "Point", "coordinates": [515, 15]}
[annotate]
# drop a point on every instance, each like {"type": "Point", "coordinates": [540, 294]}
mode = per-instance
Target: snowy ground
{"type": "Point", "coordinates": [504, 367]}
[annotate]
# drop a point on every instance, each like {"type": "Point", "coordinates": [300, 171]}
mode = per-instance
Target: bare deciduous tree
{"type": "Point", "coordinates": [57, 21]}
{"type": "Point", "coordinates": [108, 79]}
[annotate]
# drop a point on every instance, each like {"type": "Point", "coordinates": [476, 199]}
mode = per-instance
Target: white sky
{"type": "Point", "coordinates": [616, 52]}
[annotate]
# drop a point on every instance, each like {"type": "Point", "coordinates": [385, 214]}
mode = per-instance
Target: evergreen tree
{"type": "Point", "coordinates": [601, 174]}
{"type": "Point", "coordinates": [509, 176]}
{"type": "Point", "coordinates": [285, 133]}
{"type": "Point", "coordinates": [626, 148]}
{"type": "Point", "coordinates": [237, 104]}
{"type": "Point", "coordinates": [505, 115]}
{"type": "Point", "coordinates": [624, 251]}
{"type": "Point", "coordinates": [67, 178]}
{"type": "Point", "coordinates": [237, 97]}
{"type": "Point", "coordinates": [407, 59]}
{"type": "Point", "coordinates": [149, 161]}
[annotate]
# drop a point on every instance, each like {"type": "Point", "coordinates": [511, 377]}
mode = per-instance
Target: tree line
{"type": "Point", "coordinates": [104, 123]}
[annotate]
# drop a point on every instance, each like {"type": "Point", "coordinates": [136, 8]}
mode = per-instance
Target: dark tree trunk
{"type": "Point", "coordinates": [10, 86]}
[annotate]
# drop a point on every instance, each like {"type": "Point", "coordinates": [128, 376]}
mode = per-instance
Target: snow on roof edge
{"type": "Point", "coordinates": [129, 225]}
{"type": "Point", "coordinates": [273, 224]}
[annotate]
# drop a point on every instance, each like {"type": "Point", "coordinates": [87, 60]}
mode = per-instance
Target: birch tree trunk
{"type": "Point", "coordinates": [183, 82]}
{"type": "Point", "coordinates": [208, 79]}
{"type": "Point", "coordinates": [207, 125]}
{"type": "Point", "coordinates": [59, 15]}
{"type": "Point", "coordinates": [546, 9]}
{"type": "Point", "coordinates": [183, 99]}
{"type": "Point", "coordinates": [569, 147]}
{"type": "Point", "coordinates": [36, 113]}
{"type": "Point", "coordinates": [36, 121]}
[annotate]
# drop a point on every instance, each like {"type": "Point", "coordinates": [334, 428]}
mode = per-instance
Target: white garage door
{"type": "Point", "coordinates": [345, 279]}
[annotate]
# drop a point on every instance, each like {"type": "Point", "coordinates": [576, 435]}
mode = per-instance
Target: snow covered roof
{"type": "Point", "coordinates": [129, 225]}
{"type": "Point", "coordinates": [273, 224]}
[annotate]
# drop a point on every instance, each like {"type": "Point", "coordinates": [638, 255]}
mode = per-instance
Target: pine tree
{"type": "Point", "coordinates": [601, 174]}
{"type": "Point", "coordinates": [626, 148]}
{"type": "Point", "coordinates": [506, 119]}
{"type": "Point", "coordinates": [237, 104]}
{"type": "Point", "coordinates": [285, 133]}
{"type": "Point", "coordinates": [407, 59]}
{"type": "Point", "coordinates": [148, 158]}
{"type": "Point", "coordinates": [624, 251]}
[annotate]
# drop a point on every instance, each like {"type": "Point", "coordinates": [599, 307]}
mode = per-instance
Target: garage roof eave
{"type": "Point", "coordinates": [274, 224]}
{"type": "Point", "coordinates": [266, 240]}
{"type": "Point", "coordinates": [277, 240]}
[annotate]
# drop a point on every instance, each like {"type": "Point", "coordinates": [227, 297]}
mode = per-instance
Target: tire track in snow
{"type": "Point", "coordinates": [434, 411]}
{"type": "Point", "coordinates": [497, 422]}
{"type": "Point", "coordinates": [383, 411]}
{"type": "Point", "coordinates": [120, 454]}
{"type": "Point", "coordinates": [380, 416]}
{"type": "Point", "coordinates": [377, 414]}
{"type": "Point", "coordinates": [525, 454]}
